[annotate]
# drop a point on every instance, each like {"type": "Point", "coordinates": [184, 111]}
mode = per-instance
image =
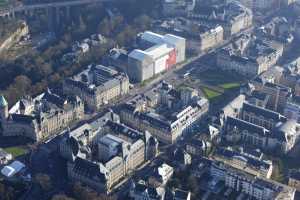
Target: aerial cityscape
{"type": "Point", "coordinates": [149, 99]}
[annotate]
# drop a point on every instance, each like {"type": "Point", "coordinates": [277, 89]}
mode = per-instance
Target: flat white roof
{"type": "Point", "coordinates": [12, 169]}
{"type": "Point", "coordinates": [164, 169]}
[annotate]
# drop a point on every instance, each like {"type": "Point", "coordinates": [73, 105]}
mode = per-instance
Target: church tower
{"type": "Point", "coordinates": [3, 108]}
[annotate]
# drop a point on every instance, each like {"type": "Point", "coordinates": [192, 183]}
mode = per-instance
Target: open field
{"type": "Point", "coordinates": [210, 94]}
{"type": "Point", "coordinates": [3, 2]}
{"type": "Point", "coordinates": [16, 151]}
{"type": "Point", "coordinates": [214, 84]}
{"type": "Point", "coordinates": [227, 86]}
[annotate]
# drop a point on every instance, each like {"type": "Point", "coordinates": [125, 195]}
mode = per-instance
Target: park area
{"type": "Point", "coordinates": [16, 151]}
{"type": "Point", "coordinates": [3, 3]}
{"type": "Point", "coordinates": [215, 84]}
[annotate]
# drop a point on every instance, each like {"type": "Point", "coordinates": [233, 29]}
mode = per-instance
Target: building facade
{"type": "Point", "coordinates": [102, 153]}
{"type": "Point", "coordinates": [174, 113]}
{"type": "Point", "coordinates": [211, 38]}
{"type": "Point", "coordinates": [278, 93]}
{"type": "Point", "coordinates": [249, 59]}
{"type": "Point", "coordinates": [294, 180]}
{"type": "Point", "coordinates": [231, 15]}
{"type": "Point", "coordinates": [245, 162]}
{"type": "Point", "coordinates": [41, 117]}
{"type": "Point", "coordinates": [161, 53]}
{"type": "Point", "coordinates": [254, 186]}
{"type": "Point", "coordinates": [97, 86]}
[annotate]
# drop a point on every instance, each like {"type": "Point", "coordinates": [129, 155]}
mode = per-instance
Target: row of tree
{"type": "Point", "coordinates": [77, 192]}
{"type": "Point", "coordinates": [32, 73]}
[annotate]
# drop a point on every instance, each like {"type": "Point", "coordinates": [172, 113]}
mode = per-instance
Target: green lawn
{"type": "Point", "coordinates": [210, 94]}
{"type": "Point", "coordinates": [228, 86]}
{"type": "Point", "coordinates": [3, 2]}
{"type": "Point", "coordinates": [16, 151]}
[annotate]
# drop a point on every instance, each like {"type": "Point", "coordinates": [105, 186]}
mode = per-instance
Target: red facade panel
{"type": "Point", "coordinates": [171, 61]}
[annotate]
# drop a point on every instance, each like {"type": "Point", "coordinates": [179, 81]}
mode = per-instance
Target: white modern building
{"type": "Point", "coordinates": [161, 53]}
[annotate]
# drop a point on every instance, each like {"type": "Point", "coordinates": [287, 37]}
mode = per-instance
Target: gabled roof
{"type": "Point", "coordinates": [26, 119]}
{"type": "Point", "coordinates": [259, 111]}
{"type": "Point", "coordinates": [89, 170]}
{"type": "Point", "coordinates": [244, 125]}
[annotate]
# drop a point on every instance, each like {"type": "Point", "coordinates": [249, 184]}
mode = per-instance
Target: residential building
{"type": "Point", "coordinates": [252, 123]}
{"type": "Point", "coordinates": [250, 58]}
{"type": "Point", "coordinates": [297, 88]}
{"type": "Point", "coordinates": [180, 159]}
{"type": "Point", "coordinates": [177, 7]}
{"type": "Point", "coordinates": [166, 112]}
{"type": "Point", "coordinates": [161, 175]}
{"type": "Point", "coordinates": [297, 26]}
{"type": "Point", "coordinates": [292, 109]}
{"type": "Point", "coordinates": [258, 98]}
{"type": "Point", "coordinates": [97, 85]}
{"type": "Point", "coordinates": [259, 5]}
{"type": "Point", "coordinates": [261, 116]}
{"type": "Point", "coordinates": [161, 53]}
{"type": "Point", "coordinates": [202, 37]}
{"type": "Point", "coordinates": [181, 195]}
{"type": "Point", "coordinates": [254, 186]}
{"type": "Point", "coordinates": [5, 157]}
{"type": "Point", "coordinates": [282, 138]}
{"type": "Point", "coordinates": [242, 182]}
{"type": "Point", "coordinates": [102, 153]}
{"type": "Point", "coordinates": [245, 162]}
{"type": "Point", "coordinates": [247, 3]}
{"type": "Point", "coordinates": [118, 58]}
{"type": "Point", "coordinates": [140, 191]}
{"type": "Point", "coordinates": [294, 180]}
{"type": "Point", "coordinates": [211, 37]}
{"type": "Point", "coordinates": [232, 16]}
{"type": "Point", "coordinates": [40, 117]}
{"type": "Point", "coordinates": [278, 93]}
{"type": "Point", "coordinates": [239, 180]}
{"type": "Point", "coordinates": [288, 2]}
{"type": "Point", "coordinates": [279, 29]}
{"type": "Point", "coordinates": [197, 147]}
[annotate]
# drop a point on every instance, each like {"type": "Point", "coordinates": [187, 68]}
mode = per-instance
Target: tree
{"type": "Point", "coordinates": [6, 193]}
{"type": "Point", "coordinates": [192, 184]}
{"type": "Point", "coordinates": [116, 22]}
{"type": "Point", "coordinates": [2, 189]}
{"type": "Point", "coordinates": [104, 27]}
{"type": "Point", "coordinates": [126, 36]}
{"type": "Point", "coordinates": [105, 197]}
{"type": "Point", "coordinates": [84, 193]}
{"type": "Point", "coordinates": [44, 181]}
{"type": "Point", "coordinates": [22, 83]}
{"type": "Point", "coordinates": [61, 197]}
{"type": "Point", "coordinates": [142, 22]}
